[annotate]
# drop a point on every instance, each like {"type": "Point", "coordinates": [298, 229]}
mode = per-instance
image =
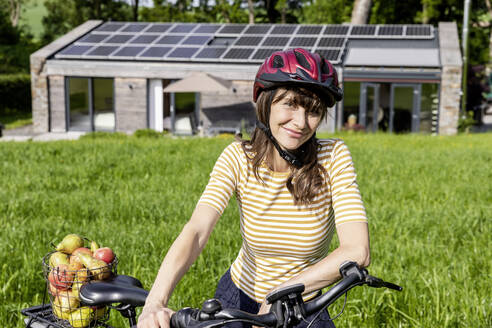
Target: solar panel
{"type": "Point", "coordinates": [222, 41]}
{"type": "Point", "coordinates": [330, 54]}
{"type": "Point", "coordinates": [239, 53]}
{"type": "Point", "coordinates": [231, 29]}
{"type": "Point", "coordinates": [258, 29]}
{"type": "Point", "coordinates": [156, 52]}
{"type": "Point", "coordinates": [183, 52]}
{"type": "Point", "coordinates": [119, 38]}
{"type": "Point", "coordinates": [170, 39]}
{"type": "Point", "coordinates": [207, 29]}
{"type": "Point", "coordinates": [248, 41]}
{"type": "Point", "coordinates": [390, 30]}
{"type": "Point", "coordinates": [183, 28]}
{"type": "Point", "coordinates": [276, 41]}
{"type": "Point", "coordinates": [102, 51]}
{"type": "Point", "coordinates": [144, 39]}
{"type": "Point", "coordinates": [134, 27]}
{"type": "Point", "coordinates": [263, 53]}
{"type": "Point", "coordinates": [109, 27]}
{"type": "Point", "coordinates": [74, 50]}
{"type": "Point", "coordinates": [331, 42]}
{"type": "Point", "coordinates": [128, 52]}
{"type": "Point", "coordinates": [93, 38]}
{"type": "Point", "coordinates": [336, 30]}
{"type": "Point", "coordinates": [197, 39]}
{"type": "Point", "coordinates": [363, 30]}
{"type": "Point", "coordinates": [210, 53]}
{"type": "Point", "coordinates": [159, 28]}
{"type": "Point", "coordinates": [283, 29]}
{"type": "Point", "coordinates": [419, 30]}
{"type": "Point", "coordinates": [302, 42]}
{"type": "Point", "coordinates": [309, 30]}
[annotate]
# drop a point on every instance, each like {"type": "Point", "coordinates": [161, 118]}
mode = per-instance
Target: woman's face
{"type": "Point", "coordinates": [291, 124]}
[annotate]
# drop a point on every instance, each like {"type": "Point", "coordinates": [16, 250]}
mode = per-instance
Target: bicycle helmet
{"type": "Point", "coordinates": [301, 68]}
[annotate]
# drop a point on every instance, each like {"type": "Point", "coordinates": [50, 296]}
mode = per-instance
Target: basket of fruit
{"type": "Point", "coordinates": [67, 269]}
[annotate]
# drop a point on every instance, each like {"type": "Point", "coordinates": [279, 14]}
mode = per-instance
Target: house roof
{"type": "Point", "coordinates": [240, 44]}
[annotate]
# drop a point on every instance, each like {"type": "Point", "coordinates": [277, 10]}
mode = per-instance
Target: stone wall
{"type": "Point", "coordinates": [130, 100]}
{"type": "Point", "coordinates": [57, 104]}
{"type": "Point", "coordinates": [451, 78]}
{"type": "Point", "coordinates": [39, 79]}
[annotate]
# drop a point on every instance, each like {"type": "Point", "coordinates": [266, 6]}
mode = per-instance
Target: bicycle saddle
{"type": "Point", "coordinates": [121, 289]}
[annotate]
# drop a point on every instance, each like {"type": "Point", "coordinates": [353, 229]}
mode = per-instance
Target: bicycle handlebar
{"type": "Point", "coordinates": [287, 309]}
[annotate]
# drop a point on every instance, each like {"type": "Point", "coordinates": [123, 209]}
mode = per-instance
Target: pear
{"type": "Point", "coordinates": [100, 313]}
{"type": "Point", "coordinates": [80, 279]}
{"type": "Point", "coordinates": [82, 317]}
{"type": "Point", "coordinates": [94, 246]}
{"type": "Point", "coordinates": [66, 303]}
{"type": "Point", "coordinates": [59, 313]}
{"type": "Point", "coordinates": [70, 243]}
{"type": "Point", "coordinates": [58, 258]}
{"type": "Point", "coordinates": [98, 269]}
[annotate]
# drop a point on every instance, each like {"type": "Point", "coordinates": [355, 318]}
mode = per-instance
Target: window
{"type": "Point", "coordinates": [90, 104]}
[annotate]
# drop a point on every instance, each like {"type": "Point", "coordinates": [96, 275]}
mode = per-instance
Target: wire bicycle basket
{"type": "Point", "coordinates": [63, 283]}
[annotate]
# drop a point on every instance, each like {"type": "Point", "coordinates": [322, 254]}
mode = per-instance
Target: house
{"type": "Point", "coordinates": [113, 76]}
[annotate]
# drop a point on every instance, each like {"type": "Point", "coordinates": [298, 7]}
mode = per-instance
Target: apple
{"type": "Point", "coordinates": [74, 259]}
{"type": "Point", "coordinates": [61, 277]}
{"type": "Point", "coordinates": [104, 254]}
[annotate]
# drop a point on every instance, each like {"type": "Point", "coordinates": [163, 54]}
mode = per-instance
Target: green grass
{"type": "Point", "coordinates": [428, 199]}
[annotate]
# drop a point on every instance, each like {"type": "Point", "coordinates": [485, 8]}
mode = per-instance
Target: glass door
{"type": "Point", "coordinates": [79, 106]}
{"type": "Point", "coordinates": [405, 108]}
{"type": "Point", "coordinates": [369, 111]}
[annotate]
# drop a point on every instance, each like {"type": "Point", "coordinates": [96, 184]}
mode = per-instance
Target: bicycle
{"type": "Point", "coordinates": [288, 307]}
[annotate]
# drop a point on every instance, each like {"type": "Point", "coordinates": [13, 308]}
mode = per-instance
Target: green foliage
{"type": "Point", "coordinates": [327, 12]}
{"type": "Point", "coordinates": [104, 135]}
{"type": "Point", "coordinates": [65, 15]}
{"type": "Point", "coordinates": [429, 220]}
{"type": "Point", "coordinates": [15, 92]}
{"type": "Point", "coordinates": [148, 133]}
{"type": "Point", "coordinates": [465, 122]}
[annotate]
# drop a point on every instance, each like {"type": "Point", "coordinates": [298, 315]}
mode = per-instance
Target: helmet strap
{"type": "Point", "coordinates": [286, 155]}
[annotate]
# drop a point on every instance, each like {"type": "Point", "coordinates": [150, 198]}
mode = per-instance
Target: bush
{"type": "Point", "coordinates": [148, 133]}
{"type": "Point", "coordinates": [104, 135]}
{"type": "Point", "coordinates": [15, 92]}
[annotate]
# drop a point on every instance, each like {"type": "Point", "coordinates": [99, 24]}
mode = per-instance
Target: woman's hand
{"type": "Point", "coordinates": [155, 316]}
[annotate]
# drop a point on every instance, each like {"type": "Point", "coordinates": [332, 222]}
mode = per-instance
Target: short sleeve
{"type": "Point", "coordinates": [223, 179]}
{"type": "Point", "coordinates": [346, 199]}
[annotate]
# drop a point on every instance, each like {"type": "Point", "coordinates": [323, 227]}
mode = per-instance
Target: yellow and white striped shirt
{"type": "Point", "coordinates": [281, 239]}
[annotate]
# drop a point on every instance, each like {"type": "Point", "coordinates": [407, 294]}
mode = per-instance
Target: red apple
{"type": "Point", "coordinates": [74, 259]}
{"type": "Point", "coordinates": [104, 254]}
{"type": "Point", "coordinates": [61, 277]}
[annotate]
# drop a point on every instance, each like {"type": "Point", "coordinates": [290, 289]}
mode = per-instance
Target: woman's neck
{"type": "Point", "coordinates": [277, 163]}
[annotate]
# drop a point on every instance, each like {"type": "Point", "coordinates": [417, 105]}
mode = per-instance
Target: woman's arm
{"type": "Point", "coordinates": [182, 254]}
{"type": "Point", "coordinates": [354, 246]}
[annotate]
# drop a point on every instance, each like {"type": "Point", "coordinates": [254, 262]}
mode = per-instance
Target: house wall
{"type": "Point", "coordinates": [130, 100]}
{"type": "Point", "coordinates": [58, 117]}
{"type": "Point", "coordinates": [450, 95]}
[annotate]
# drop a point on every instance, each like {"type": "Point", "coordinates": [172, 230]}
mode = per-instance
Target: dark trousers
{"type": "Point", "coordinates": [232, 297]}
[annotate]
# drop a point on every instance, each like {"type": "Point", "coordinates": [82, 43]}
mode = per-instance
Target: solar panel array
{"type": "Point", "coordinates": [234, 43]}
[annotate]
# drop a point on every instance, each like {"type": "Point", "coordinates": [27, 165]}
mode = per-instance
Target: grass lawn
{"type": "Point", "coordinates": [32, 16]}
{"type": "Point", "coordinates": [428, 200]}
{"type": "Point", "coordinates": [16, 119]}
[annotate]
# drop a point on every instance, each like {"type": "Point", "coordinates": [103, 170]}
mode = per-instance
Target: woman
{"type": "Point", "coordinates": [293, 192]}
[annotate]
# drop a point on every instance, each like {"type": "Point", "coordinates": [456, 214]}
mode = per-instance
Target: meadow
{"type": "Point", "coordinates": [428, 200]}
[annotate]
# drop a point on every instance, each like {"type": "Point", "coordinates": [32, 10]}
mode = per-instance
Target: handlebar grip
{"type": "Point", "coordinates": [184, 317]}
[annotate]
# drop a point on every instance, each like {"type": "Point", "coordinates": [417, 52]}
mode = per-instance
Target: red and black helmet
{"type": "Point", "coordinates": [298, 67]}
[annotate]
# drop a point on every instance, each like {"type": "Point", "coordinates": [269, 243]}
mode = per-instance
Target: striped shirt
{"type": "Point", "coordinates": [281, 239]}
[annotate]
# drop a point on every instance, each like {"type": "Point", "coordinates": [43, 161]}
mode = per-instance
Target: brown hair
{"type": "Point", "coordinates": [304, 182]}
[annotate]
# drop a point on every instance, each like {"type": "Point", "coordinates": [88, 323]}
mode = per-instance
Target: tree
{"type": "Point", "coordinates": [361, 11]}
{"type": "Point", "coordinates": [14, 9]}
{"type": "Point", "coordinates": [326, 12]}
{"type": "Point", "coordinates": [64, 15]}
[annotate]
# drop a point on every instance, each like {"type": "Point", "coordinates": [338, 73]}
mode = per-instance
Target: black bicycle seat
{"type": "Point", "coordinates": [121, 289]}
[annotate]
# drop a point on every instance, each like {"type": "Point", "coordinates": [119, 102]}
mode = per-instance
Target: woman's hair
{"type": "Point", "coordinates": [305, 182]}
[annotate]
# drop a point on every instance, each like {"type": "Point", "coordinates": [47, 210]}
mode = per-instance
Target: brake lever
{"type": "Point", "coordinates": [378, 283]}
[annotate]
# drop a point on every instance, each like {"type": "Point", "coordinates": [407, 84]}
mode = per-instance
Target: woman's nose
{"type": "Point", "coordinates": [300, 118]}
